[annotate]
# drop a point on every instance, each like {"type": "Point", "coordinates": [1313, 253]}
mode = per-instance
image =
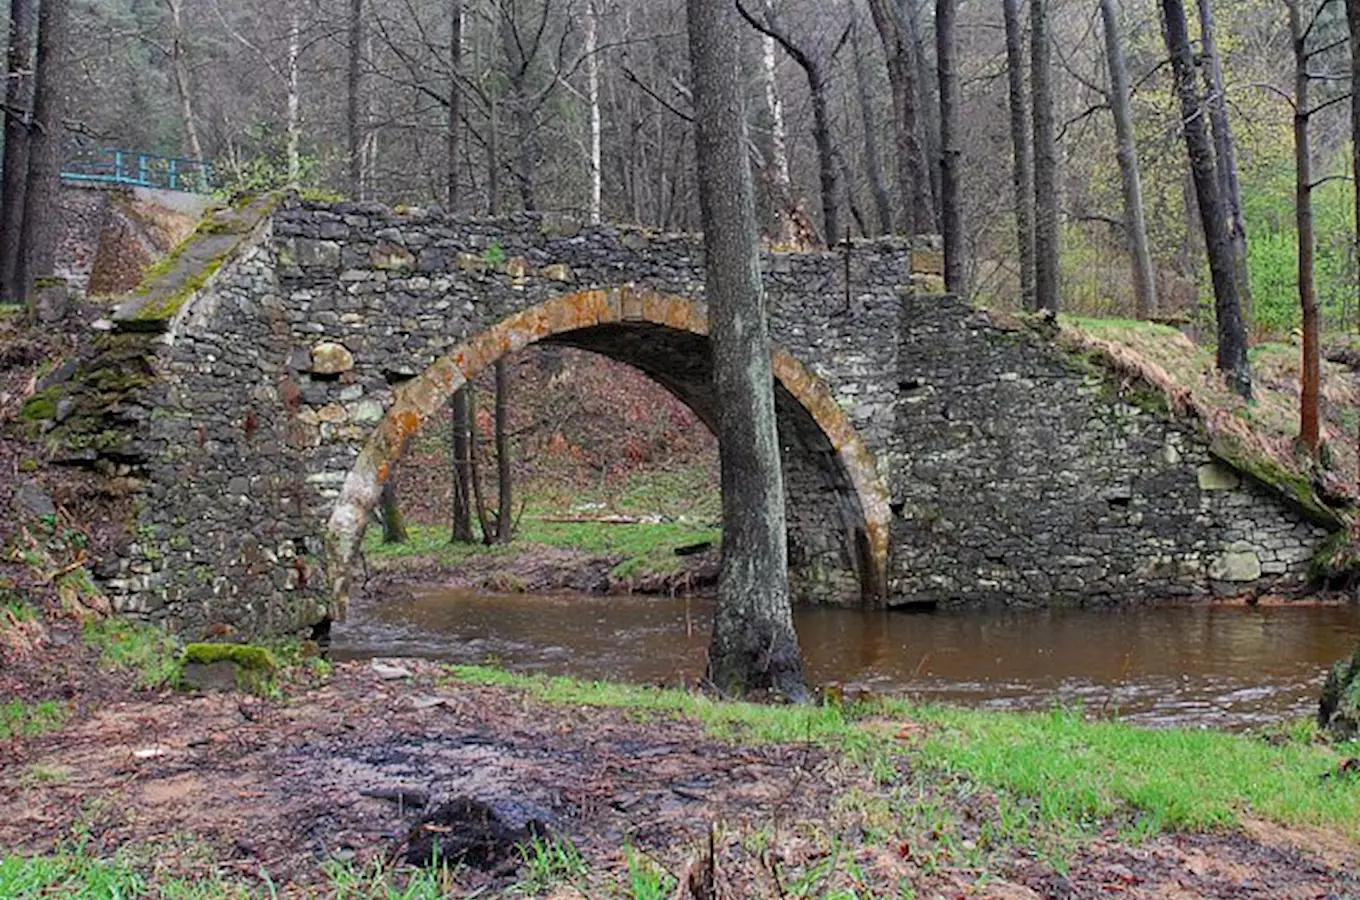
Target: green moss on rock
{"type": "Point", "coordinates": [39, 407]}
{"type": "Point", "coordinates": [1339, 709]}
{"type": "Point", "coordinates": [246, 656]}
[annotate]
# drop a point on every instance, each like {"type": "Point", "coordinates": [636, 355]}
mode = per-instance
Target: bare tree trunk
{"type": "Point", "coordinates": [1225, 156]}
{"type": "Point", "coordinates": [42, 219]}
{"type": "Point", "coordinates": [915, 214]}
{"type": "Point", "coordinates": [462, 468]}
{"type": "Point", "coordinates": [821, 122]}
{"type": "Point", "coordinates": [179, 66]}
{"type": "Point", "coordinates": [1309, 431]}
{"type": "Point", "coordinates": [354, 110]}
{"type": "Point", "coordinates": [754, 646]}
{"type": "Point", "coordinates": [394, 524]}
{"type": "Point", "coordinates": [872, 166]}
{"type": "Point", "coordinates": [1353, 23]}
{"type": "Point", "coordinates": [1135, 226]}
{"type": "Point", "coordinates": [1047, 235]}
{"type": "Point", "coordinates": [951, 198]}
{"type": "Point", "coordinates": [493, 159]}
{"type": "Point", "coordinates": [23, 22]}
{"type": "Point", "coordinates": [294, 105]}
{"type": "Point", "coordinates": [455, 112]}
{"type": "Point", "coordinates": [593, 98]}
{"type": "Point", "coordinates": [504, 514]}
{"type": "Point", "coordinates": [928, 102]}
{"type": "Point", "coordinates": [1023, 168]}
{"type": "Point", "coordinates": [1232, 338]}
{"type": "Point", "coordinates": [474, 438]}
{"type": "Point", "coordinates": [779, 144]}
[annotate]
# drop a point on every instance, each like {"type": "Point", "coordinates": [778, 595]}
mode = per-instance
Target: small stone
{"type": "Point", "coordinates": [331, 359]}
{"type": "Point", "coordinates": [389, 672]}
{"type": "Point", "coordinates": [368, 412]}
{"type": "Point", "coordinates": [1236, 566]}
{"type": "Point", "coordinates": [557, 272]}
{"type": "Point", "coordinates": [634, 240]}
{"type": "Point", "coordinates": [1217, 477]}
{"type": "Point", "coordinates": [31, 501]}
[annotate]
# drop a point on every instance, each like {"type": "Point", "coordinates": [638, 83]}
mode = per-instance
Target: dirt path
{"type": "Point", "coordinates": [344, 770]}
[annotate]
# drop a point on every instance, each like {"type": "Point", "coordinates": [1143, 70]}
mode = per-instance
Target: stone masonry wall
{"type": "Point", "coordinates": [1026, 476]}
{"type": "Point", "coordinates": [1016, 472]}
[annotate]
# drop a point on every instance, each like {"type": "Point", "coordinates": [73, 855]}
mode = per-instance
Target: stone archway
{"type": "Point", "coordinates": [580, 313]}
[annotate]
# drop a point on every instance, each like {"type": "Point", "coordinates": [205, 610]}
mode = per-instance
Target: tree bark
{"type": "Point", "coordinates": [821, 122]}
{"type": "Point", "coordinates": [462, 468]}
{"type": "Point", "coordinates": [394, 524]}
{"type": "Point", "coordinates": [478, 503]}
{"type": "Point", "coordinates": [1232, 339]}
{"type": "Point", "coordinates": [1225, 155]}
{"type": "Point", "coordinates": [1135, 225]}
{"type": "Point", "coordinates": [179, 67]}
{"type": "Point", "coordinates": [42, 219]}
{"type": "Point", "coordinates": [1047, 235]}
{"type": "Point", "coordinates": [754, 646]}
{"type": "Point", "coordinates": [951, 199]}
{"type": "Point", "coordinates": [928, 102]}
{"type": "Point", "coordinates": [504, 513]}
{"type": "Point", "coordinates": [872, 166]}
{"type": "Point", "coordinates": [1353, 23]}
{"type": "Point", "coordinates": [23, 21]}
{"type": "Point", "coordinates": [592, 61]}
{"type": "Point", "coordinates": [455, 113]}
{"type": "Point", "coordinates": [914, 212]}
{"type": "Point", "coordinates": [1021, 151]}
{"type": "Point", "coordinates": [354, 91]}
{"type": "Point", "coordinates": [293, 125]}
{"type": "Point", "coordinates": [779, 145]}
{"type": "Point", "coordinates": [1309, 431]}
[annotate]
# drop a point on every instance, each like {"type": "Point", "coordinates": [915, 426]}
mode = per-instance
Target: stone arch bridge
{"type": "Point", "coordinates": [254, 395]}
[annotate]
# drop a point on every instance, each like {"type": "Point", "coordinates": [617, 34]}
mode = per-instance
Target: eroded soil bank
{"type": "Point", "coordinates": [341, 769]}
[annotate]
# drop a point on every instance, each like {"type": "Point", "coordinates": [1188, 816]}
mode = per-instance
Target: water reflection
{"type": "Point", "coordinates": [1224, 666]}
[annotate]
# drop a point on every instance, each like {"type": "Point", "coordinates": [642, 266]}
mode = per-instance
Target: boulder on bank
{"type": "Point", "coordinates": [1339, 709]}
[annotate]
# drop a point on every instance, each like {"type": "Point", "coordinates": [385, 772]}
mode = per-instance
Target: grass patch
{"type": "Point", "coordinates": [642, 548]}
{"type": "Point", "coordinates": [149, 652]}
{"type": "Point", "coordinates": [21, 719]}
{"type": "Point", "coordinates": [1081, 771]}
{"type": "Point", "coordinates": [1056, 767]}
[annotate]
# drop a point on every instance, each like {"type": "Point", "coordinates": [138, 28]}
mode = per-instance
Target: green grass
{"type": "Point", "coordinates": [21, 719]}
{"type": "Point", "coordinates": [642, 548]}
{"type": "Point", "coordinates": [149, 652]}
{"type": "Point", "coordinates": [1066, 769]}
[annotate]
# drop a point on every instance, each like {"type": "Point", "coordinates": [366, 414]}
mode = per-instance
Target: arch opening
{"type": "Point", "coordinates": [665, 337]}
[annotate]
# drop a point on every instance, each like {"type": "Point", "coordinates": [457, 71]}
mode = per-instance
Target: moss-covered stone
{"type": "Point", "coordinates": [1339, 708]}
{"type": "Point", "coordinates": [247, 656]}
{"type": "Point", "coordinates": [38, 407]}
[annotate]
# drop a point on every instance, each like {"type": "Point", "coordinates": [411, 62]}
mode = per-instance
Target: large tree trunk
{"type": "Point", "coordinates": [754, 646]}
{"type": "Point", "coordinates": [455, 106]}
{"type": "Point", "coordinates": [354, 107]}
{"type": "Point", "coordinates": [504, 513]}
{"type": "Point", "coordinates": [914, 213]}
{"type": "Point", "coordinates": [1225, 156]}
{"type": "Point", "coordinates": [1047, 235]}
{"type": "Point", "coordinates": [462, 468]}
{"type": "Point", "coordinates": [42, 216]}
{"type": "Point", "coordinates": [474, 438]}
{"type": "Point", "coordinates": [928, 102]}
{"type": "Point", "coordinates": [1309, 432]}
{"type": "Point", "coordinates": [872, 166]}
{"type": "Point", "coordinates": [23, 22]}
{"type": "Point", "coordinates": [1232, 338]}
{"type": "Point", "coordinates": [592, 49]}
{"type": "Point", "coordinates": [1022, 154]}
{"type": "Point", "coordinates": [951, 197]}
{"type": "Point", "coordinates": [1135, 226]}
{"type": "Point", "coordinates": [179, 66]}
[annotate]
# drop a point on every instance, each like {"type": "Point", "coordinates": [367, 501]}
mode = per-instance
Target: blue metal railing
{"type": "Point", "coordinates": [171, 173]}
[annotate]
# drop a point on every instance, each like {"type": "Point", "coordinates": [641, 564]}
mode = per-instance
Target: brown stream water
{"type": "Point", "coordinates": [1220, 666]}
